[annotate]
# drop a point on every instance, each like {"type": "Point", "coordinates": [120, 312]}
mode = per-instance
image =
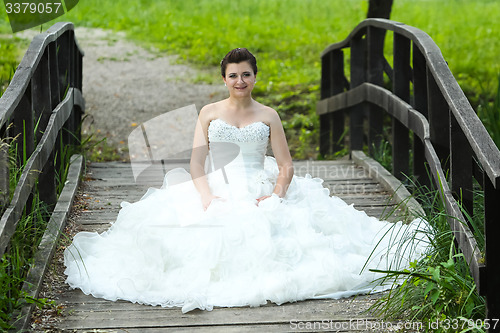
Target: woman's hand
{"type": "Point", "coordinates": [207, 200]}
{"type": "Point", "coordinates": [264, 197]}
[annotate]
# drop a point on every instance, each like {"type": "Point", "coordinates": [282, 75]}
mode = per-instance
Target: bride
{"type": "Point", "coordinates": [240, 229]}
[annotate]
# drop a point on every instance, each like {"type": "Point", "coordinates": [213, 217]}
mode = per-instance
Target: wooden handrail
{"type": "Point", "coordinates": [425, 101]}
{"type": "Point", "coordinates": [417, 123]}
{"type": "Point", "coordinates": [481, 142]}
{"type": "Point", "coordinates": [45, 94]}
{"type": "Point", "coordinates": [24, 72]}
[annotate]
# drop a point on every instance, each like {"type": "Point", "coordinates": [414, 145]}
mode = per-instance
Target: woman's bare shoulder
{"type": "Point", "coordinates": [211, 111]}
{"type": "Point", "coordinates": [269, 115]}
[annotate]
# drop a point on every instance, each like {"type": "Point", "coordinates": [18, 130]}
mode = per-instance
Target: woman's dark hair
{"type": "Point", "coordinates": [235, 57]}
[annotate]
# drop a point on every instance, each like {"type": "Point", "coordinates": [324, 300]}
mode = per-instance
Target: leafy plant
{"type": "Point", "coordinates": [15, 263]}
{"type": "Point", "coordinates": [438, 287]}
{"type": "Point", "coordinates": [382, 153]}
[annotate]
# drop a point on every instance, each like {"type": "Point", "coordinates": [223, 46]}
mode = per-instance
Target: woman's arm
{"type": "Point", "coordinates": [281, 153]}
{"type": "Point", "coordinates": [198, 157]}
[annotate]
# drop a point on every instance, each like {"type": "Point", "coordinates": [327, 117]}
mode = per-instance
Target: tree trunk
{"type": "Point", "coordinates": [379, 8]}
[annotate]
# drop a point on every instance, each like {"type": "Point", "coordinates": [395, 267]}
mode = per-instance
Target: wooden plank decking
{"type": "Point", "coordinates": [107, 184]}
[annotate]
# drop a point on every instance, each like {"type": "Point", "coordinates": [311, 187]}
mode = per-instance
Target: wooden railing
{"type": "Point", "coordinates": [44, 104]}
{"type": "Point", "coordinates": [426, 102]}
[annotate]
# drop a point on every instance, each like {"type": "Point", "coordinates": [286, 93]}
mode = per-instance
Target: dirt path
{"type": "Point", "coordinates": [125, 85]}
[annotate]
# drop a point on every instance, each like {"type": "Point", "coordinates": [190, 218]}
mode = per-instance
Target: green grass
{"type": "Point", "coordinates": [11, 51]}
{"type": "Point", "coordinates": [287, 36]}
{"type": "Point", "coordinates": [15, 263]}
{"type": "Point", "coordinates": [439, 287]}
{"type": "Point", "coordinates": [489, 112]}
{"type": "Point", "coordinates": [17, 260]}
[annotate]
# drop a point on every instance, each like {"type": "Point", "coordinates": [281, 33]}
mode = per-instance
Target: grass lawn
{"type": "Point", "coordinates": [287, 36]}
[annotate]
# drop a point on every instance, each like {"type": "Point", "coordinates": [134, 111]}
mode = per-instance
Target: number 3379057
{"type": "Point", "coordinates": [31, 7]}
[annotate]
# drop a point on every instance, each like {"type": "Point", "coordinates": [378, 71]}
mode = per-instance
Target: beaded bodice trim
{"type": "Point", "coordinates": [219, 130]}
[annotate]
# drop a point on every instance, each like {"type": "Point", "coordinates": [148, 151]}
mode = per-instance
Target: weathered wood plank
{"type": "Point", "coordinates": [401, 88]}
{"type": "Point", "coordinates": [375, 74]}
{"type": "Point", "coordinates": [108, 315]}
{"type": "Point", "coordinates": [358, 76]}
{"type": "Point", "coordinates": [337, 327]}
{"type": "Point", "coordinates": [22, 76]}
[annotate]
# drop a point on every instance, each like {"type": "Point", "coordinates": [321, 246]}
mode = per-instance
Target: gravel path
{"type": "Point", "coordinates": [125, 85]}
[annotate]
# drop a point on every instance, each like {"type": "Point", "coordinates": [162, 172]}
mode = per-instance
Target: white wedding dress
{"type": "Point", "coordinates": [165, 250]}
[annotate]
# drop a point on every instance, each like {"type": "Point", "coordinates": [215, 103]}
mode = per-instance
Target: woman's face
{"type": "Point", "coordinates": [240, 79]}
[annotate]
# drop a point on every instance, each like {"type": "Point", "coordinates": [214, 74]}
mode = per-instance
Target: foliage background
{"type": "Point", "coordinates": [287, 36]}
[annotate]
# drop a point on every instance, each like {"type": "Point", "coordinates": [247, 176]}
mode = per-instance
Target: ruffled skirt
{"type": "Point", "coordinates": [165, 250]}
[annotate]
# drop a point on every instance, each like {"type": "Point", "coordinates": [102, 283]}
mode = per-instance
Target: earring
{"type": "Point", "coordinates": [225, 85]}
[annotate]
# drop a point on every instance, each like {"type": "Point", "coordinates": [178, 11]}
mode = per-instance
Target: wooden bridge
{"type": "Point", "coordinates": [44, 103]}
{"type": "Point", "coordinates": [357, 181]}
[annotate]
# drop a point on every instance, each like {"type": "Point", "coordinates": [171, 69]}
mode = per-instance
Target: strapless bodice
{"type": "Point", "coordinates": [237, 153]}
{"type": "Point", "coordinates": [219, 130]}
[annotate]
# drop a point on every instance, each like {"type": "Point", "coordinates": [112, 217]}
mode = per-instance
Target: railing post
{"type": "Point", "coordinates": [40, 90]}
{"type": "Point", "coordinates": [438, 112]}
{"type": "Point", "coordinates": [326, 121]}
{"type": "Point", "coordinates": [338, 86]}
{"type": "Point", "coordinates": [64, 65]}
{"type": "Point", "coordinates": [55, 96]}
{"type": "Point", "coordinates": [42, 105]}
{"type": "Point", "coordinates": [63, 62]}
{"type": "Point", "coordinates": [332, 83]}
{"type": "Point", "coordinates": [492, 249]}
{"type": "Point", "coordinates": [461, 166]}
{"type": "Point", "coordinates": [420, 104]}
{"type": "Point", "coordinates": [76, 79]}
{"type": "Point", "coordinates": [79, 69]}
{"type": "Point", "coordinates": [358, 77]}
{"type": "Point", "coordinates": [4, 175]}
{"type": "Point", "coordinates": [375, 75]}
{"type": "Point", "coordinates": [24, 132]}
{"type": "Point", "coordinates": [401, 88]}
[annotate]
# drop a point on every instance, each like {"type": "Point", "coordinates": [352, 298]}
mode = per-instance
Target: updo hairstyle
{"type": "Point", "coordinates": [235, 57]}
